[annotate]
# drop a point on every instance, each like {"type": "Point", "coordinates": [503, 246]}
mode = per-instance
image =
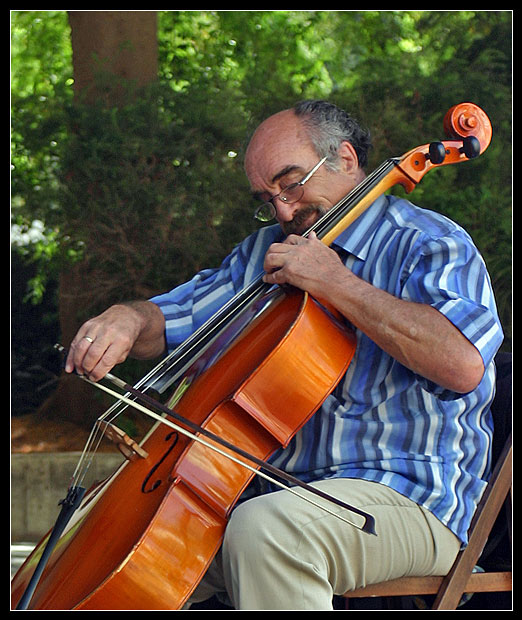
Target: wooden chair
{"type": "Point", "coordinates": [461, 579]}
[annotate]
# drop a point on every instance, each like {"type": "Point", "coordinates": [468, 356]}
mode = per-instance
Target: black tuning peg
{"type": "Point", "coordinates": [436, 153]}
{"type": "Point", "coordinates": [470, 147]}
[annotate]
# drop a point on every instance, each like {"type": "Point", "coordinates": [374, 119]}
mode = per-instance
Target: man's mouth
{"type": "Point", "coordinates": [303, 219]}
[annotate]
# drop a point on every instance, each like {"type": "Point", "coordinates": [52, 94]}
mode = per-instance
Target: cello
{"type": "Point", "coordinates": [143, 538]}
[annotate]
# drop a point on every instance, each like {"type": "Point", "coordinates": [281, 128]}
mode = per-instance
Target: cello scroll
{"type": "Point", "coordinates": [470, 130]}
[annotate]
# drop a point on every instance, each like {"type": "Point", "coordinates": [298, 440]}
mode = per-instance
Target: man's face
{"type": "Point", "coordinates": [280, 153]}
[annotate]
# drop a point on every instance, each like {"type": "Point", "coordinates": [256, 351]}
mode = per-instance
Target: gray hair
{"type": "Point", "coordinates": [328, 126]}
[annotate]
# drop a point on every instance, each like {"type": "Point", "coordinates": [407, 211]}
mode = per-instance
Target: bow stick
{"type": "Point", "coordinates": [369, 521]}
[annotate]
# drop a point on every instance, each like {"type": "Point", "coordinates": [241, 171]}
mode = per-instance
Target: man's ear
{"type": "Point", "coordinates": [348, 160]}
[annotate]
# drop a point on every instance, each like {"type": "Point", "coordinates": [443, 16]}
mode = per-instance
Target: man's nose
{"type": "Point", "coordinates": [285, 211]}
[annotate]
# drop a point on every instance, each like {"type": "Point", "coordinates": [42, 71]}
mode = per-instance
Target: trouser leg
{"type": "Point", "coordinates": [280, 552]}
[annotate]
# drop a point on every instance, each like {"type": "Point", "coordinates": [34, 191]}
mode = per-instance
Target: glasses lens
{"type": "Point", "coordinates": [292, 193]}
{"type": "Point", "coordinates": [265, 212]}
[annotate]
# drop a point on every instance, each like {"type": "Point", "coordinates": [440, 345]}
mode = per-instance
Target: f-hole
{"type": "Point", "coordinates": [157, 483]}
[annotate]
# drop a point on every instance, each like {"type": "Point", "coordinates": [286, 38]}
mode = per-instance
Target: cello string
{"type": "Point", "coordinates": [194, 346]}
{"type": "Point", "coordinates": [237, 450]}
{"type": "Point", "coordinates": [91, 445]}
{"type": "Point", "coordinates": [256, 288]}
{"type": "Point", "coordinates": [345, 205]}
{"type": "Point", "coordinates": [90, 449]}
{"type": "Point", "coordinates": [215, 448]}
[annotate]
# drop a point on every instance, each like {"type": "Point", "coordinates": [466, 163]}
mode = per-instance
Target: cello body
{"type": "Point", "coordinates": [143, 538]}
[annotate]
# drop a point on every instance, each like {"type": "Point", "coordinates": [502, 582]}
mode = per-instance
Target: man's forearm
{"type": "Point", "coordinates": [416, 335]}
{"type": "Point", "coordinates": [151, 341]}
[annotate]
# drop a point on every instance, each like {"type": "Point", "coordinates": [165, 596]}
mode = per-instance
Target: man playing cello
{"type": "Point", "coordinates": [407, 432]}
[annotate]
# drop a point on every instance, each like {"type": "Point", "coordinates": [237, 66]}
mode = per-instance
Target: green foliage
{"type": "Point", "coordinates": [148, 192]}
{"type": "Point", "coordinates": [41, 53]}
{"type": "Point", "coordinates": [41, 82]}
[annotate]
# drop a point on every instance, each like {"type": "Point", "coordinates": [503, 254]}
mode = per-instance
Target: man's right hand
{"type": "Point", "coordinates": [135, 329]}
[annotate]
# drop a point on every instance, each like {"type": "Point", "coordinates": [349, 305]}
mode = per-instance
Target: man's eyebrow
{"type": "Point", "coordinates": [283, 172]}
{"type": "Point", "coordinates": [258, 195]}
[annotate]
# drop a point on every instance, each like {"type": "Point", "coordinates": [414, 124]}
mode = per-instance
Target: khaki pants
{"type": "Point", "coordinates": [280, 552]}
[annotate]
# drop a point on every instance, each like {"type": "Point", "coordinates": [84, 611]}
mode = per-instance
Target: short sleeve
{"type": "Point", "coordinates": [449, 274]}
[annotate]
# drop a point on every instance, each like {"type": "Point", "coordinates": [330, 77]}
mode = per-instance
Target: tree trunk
{"type": "Point", "coordinates": [122, 44]}
{"type": "Point", "coordinates": [119, 45]}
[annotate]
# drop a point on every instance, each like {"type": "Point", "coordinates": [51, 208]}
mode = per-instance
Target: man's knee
{"type": "Point", "coordinates": [250, 526]}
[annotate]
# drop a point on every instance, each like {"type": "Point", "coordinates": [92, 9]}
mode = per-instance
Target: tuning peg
{"type": "Point", "coordinates": [436, 153]}
{"type": "Point", "coordinates": [470, 147]}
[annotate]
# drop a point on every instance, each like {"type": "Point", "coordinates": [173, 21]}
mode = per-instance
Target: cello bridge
{"type": "Point", "coordinates": [131, 450]}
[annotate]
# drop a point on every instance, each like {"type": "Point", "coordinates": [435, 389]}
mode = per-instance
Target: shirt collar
{"type": "Point", "coordinates": [357, 238]}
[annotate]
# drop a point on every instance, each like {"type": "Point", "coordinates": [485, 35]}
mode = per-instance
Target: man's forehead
{"type": "Point", "coordinates": [277, 148]}
{"type": "Point", "coordinates": [276, 132]}
{"type": "Point", "coordinates": [266, 176]}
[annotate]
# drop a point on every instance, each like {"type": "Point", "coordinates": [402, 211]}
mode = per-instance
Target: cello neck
{"type": "Point", "coordinates": [349, 208]}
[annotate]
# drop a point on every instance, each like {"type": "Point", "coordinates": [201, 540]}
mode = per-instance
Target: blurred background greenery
{"type": "Point", "coordinates": [126, 191]}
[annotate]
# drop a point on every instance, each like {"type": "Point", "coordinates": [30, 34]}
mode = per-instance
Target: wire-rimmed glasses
{"type": "Point", "coordinates": [293, 193]}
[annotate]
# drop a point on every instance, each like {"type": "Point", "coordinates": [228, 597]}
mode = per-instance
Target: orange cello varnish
{"type": "Point", "coordinates": [186, 532]}
{"type": "Point", "coordinates": [89, 550]}
{"type": "Point", "coordinates": [179, 526]}
{"type": "Point", "coordinates": [261, 397]}
{"type": "Point", "coordinates": [298, 376]}
{"type": "Point", "coordinates": [213, 476]}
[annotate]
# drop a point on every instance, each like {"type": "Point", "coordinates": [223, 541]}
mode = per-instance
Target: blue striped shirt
{"type": "Point", "coordinates": [383, 422]}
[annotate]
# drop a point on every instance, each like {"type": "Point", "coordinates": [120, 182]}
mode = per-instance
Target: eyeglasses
{"type": "Point", "coordinates": [293, 193]}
